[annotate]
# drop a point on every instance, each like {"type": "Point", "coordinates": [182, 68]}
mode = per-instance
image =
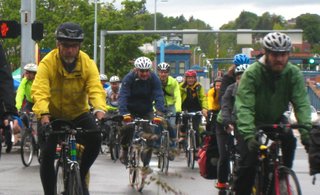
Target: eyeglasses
{"type": "Point", "coordinates": [70, 45]}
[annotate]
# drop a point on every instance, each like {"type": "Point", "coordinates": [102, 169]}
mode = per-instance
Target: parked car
{"type": "Point", "coordinates": [315, 119]}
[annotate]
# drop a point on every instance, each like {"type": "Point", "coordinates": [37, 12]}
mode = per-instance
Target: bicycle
{"type": "Point", "coordinates": [136, 147]}
{"type": "Point", "coordinates": [190, 145]}
{"type": "Point", "coordinates": [29, 140]}
{"type": "Point", "coordinates": [67, 168]}
{"type": "Point", "coordinates": [272, 176]}
{"type": "Point", "coordinates": [164, 151]}
{"type": "Point", "coordinates": [114, 135]}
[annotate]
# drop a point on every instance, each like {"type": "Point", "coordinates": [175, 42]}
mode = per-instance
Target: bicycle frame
{"type": "Point", "coordinates": [271, 165]}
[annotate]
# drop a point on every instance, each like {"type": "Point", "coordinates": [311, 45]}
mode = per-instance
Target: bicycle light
{"type": "Point", "coordinates": [157, 120]}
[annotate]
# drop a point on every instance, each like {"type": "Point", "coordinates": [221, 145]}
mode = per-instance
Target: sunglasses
{"type": "Point", "coordinates": [70, 45]}
{"type": "Point", "coordinates": [143, 70]}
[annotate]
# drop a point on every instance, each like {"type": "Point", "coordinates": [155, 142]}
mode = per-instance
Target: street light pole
{"type": "Point", "coordinates": [202, 55]}
{"type": "Point", "coordinates": [194, 54]}
{"type": "Point", "coordinates": [95, 32]}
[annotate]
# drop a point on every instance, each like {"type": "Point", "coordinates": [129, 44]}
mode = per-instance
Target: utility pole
{"type": "Point", "coordinates": [28, 15]}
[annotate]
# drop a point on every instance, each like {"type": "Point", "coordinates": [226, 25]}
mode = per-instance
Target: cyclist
{"type": "Point", "coordinates": [113, 93]}
{"type": "Point", "coordinates": [230, 78]}
{"type": "Point", "coordinates": [263, 95]}
{"type": "Point", "coordinates": [24, 89]}
{"type": "Point", "coordinates": [104, 80]}
{"type": "Point", "coordinates": [193, 100]}
{"type": "Point", "coordinates": [172, 98]}
{"type": "Point", "coordinates": [140, 88]}
{"type": "Point", "coordinates": [66, 80]}
{"type": "Point", "coordinates": [112, 103]}
{"type": "Point", "coordinates": [7, 103]}
{"type": "Point", "coordinates": [213, 104]}
{"type": "Point", "coordinates": [226, 123]}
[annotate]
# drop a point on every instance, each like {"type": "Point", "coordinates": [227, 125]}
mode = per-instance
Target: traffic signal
{"type": "Point", "coordinates": [37, 31]}
{"type": "Point", "coordinates": [311, 61]}
{"type": "Point", "coordinates": [9, 29]}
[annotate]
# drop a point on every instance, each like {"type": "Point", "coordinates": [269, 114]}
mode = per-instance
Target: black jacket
{"type": "Point", "coordinates": [7, 96]}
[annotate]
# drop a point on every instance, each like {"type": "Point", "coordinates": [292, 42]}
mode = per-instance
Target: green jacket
{"type": "Point", "coordinates": [200, 93]}
{"type": "Point", "coordinates": [172, 94]}
{"type": "Point", "coordinates": [24, 90]}
{"type": "Point", "coordinates": [263, 97]}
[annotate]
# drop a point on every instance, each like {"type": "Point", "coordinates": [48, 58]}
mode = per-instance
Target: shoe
{"type": "Point", "coordinates": [124, 156]}
{"type": "Point", "coordinates": [9, 147]}
{"type": "Point", "coordinates": [146, 170]}
{"type": "Point", "coordinates": [221, 185]}
{"type": "Point", "coordinates": [172, 153]}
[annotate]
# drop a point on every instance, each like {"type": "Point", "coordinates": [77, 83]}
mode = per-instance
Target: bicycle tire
{"type": "Point", "coordinates": [191, 150]}
{"type": "Point", "coordinates": [60, 186]}
{"type": "Point", "coordinates": [27, 148]}
{"type": "Point", "coordinates": [0, 142]}
{"type": "Point", "coordinates": [114, 146]}
{"type": "Point", "coordinates": [75, 184]}
{"type": "Point", "coordinates": [288, 182]}
{"type": "Point", "coordinates": [133, 165]}
{"type": "Point", "coordinates": [165, 164]}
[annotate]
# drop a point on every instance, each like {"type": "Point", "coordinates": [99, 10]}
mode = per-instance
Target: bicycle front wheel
{"type": "Point", "coordinates": [27, 148]}
{"type": "Point", "coordinates": [191, 152]}
{"type": "Point", "coordinates": [165, 153]}
{"type": "Point", "coordinates": [60, 181]}
{"type": "Point", "coordinates": [288, 183]}
{"type": "Point", "coordinates": [75, 184]}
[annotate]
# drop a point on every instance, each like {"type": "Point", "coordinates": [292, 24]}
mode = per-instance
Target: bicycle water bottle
{"type": "Point", "coordinates": [73, 149]}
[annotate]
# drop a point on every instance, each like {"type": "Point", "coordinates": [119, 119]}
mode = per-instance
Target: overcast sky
{"type": "Point", "coordinates": [218, 12]}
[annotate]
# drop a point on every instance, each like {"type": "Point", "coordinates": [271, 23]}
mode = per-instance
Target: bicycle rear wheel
{"type": "Point", "coordinates": [27, 148]}
{"type": "Point", "coordinates": [75, 184]}
{"type": "Point", "coordinates": [288, 182]}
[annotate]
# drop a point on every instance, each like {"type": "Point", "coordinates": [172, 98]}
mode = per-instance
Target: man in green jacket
{"type": "Point", "coordinates": [264, 93]}
{"type": "Point", "coordinates": [172, 99]}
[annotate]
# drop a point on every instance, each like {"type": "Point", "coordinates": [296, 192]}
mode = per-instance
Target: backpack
{"type": "Point", "coordinates": [208, 156]}
{"type": "Point", "coordinates": [314, 151]}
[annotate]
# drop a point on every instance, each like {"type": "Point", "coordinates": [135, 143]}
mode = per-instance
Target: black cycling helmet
{"type": "Point", "coordinates": [69, 32]}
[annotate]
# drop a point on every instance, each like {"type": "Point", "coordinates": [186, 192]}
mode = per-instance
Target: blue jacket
{"type": "Point", "coordinates": [137, 96]}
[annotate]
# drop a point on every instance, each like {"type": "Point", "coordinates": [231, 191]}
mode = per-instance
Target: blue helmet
{"type": "Point", "coordinates": [241, 59]}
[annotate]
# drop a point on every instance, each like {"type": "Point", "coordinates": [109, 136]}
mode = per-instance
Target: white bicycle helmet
{"type": "Point", "coordinates": [143, 63]}
{"type": "Point", "coordinates": [241, 68]}
{"type": "Point", "coordinates": [114, 79]}
{"type": "Point", "coordinates": [103, 77]}
{"type": "Point", "coordinates": [163, 66]}
{"type": "Point", "coordinates": [31, 67]}
{"type": "Point", "coordinates": [277, 41]}
{"type": "Point", "coordinates": [179, 79]}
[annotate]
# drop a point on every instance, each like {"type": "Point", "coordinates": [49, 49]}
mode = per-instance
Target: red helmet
{"type": "Point", "coordinates": [190, 73]}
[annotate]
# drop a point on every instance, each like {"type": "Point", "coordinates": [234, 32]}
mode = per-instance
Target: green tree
{"type": "Point", "coordinates": [310, 24]}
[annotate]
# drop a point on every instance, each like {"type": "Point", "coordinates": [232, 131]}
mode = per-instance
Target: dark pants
{"type": "Point", "coordinates": [224, 141]}
{"type": "Point", "coordinates": [245, 173]}
{"type": "Point", "coordinates": [127, 132]}
{"type": "Point", "coordinates": [212, 120]}
{"type": "Point", "coordinates": [91, 142]}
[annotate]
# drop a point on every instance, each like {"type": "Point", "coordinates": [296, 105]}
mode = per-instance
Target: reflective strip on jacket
{"type": "Point", "coordinates": [262, 98]}
{"type": "Point", "coordinates": [66, 95]}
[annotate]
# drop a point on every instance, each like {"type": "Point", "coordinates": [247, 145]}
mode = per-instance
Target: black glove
{"type": "Point", "coordinates": [253, 145]}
